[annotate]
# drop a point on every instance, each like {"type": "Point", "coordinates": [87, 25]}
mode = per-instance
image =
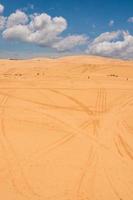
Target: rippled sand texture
{"type": "Point", "coordinates": [66, 129]}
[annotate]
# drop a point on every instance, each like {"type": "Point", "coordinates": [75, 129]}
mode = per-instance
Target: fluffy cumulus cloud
{"type": "Point", "coordinates": [17, 18]}
{"type": "Point", "coordinates": [117, 44]}
{"type": "Point", "coordinates": [2, 22]}
{"type": "Point", "coordinates": [1, 8]}
{"type": "Point", "coordinates": [70, 42]}
{"type": "Point", "coordinates": [40, 29]}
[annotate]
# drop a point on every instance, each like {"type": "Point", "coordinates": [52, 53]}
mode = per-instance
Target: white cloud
{"type": "Point", "coordinates": [40, 29]}
{"type": "Point", "coordinates": [111, 23]}
{"type": "Point", "coordinates": [2, 22]}
{"type": "Point", "coordinates": [107, 36]}
{"type": "Point", "coordinates": [130, 20]}
{"type": "Point", "coordinates": [70, 42]}
{"type": "Point", "coordinates": [1, 8]}
{"type": "Point", "coordinates": [46, 23]}
{"type": "Point", "coordinates": [17, 18]}
{"type": "Point", "coordinates": [17, 32]}
{"type": "Point", "coordinates": [2, 18]}
{"type": "Point", "coordinates": [117, 44]}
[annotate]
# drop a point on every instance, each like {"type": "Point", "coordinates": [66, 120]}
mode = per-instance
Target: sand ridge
{"type": "Point", "coordinates": [66, 129]}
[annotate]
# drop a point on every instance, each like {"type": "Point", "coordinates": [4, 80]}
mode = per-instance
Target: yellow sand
{"type": "Point", "coordinates": [66, 129]}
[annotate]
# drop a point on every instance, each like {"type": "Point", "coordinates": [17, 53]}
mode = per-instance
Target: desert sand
{"type": "Point", "coordinates": [66, 129]}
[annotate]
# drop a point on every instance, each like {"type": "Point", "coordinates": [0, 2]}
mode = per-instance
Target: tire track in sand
{"type": "Point", "coordinates": [128, 150]}
{"type": "Point", "coordinates": [75, 132]}
{"type": "Point", "coordinates": [85, 171]}
{"type": "Point", "coordinates": [99, 109]}
{"type": "Point", "coordinates": [18, 180]}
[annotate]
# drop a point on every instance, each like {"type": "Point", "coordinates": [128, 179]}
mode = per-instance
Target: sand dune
{"type": "Point", "coordinates": [66, 129]}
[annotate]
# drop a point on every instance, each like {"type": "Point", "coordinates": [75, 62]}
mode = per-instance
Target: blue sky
{"type": "Point", "coordinates": [88, 18]}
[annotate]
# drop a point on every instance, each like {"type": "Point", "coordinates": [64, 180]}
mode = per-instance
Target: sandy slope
{"type": "Point", "coordinates": [66, 129]}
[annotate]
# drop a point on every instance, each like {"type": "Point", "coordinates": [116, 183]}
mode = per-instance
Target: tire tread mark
{"type": "Point", "coordinates": [11, 158]}
{"type": "Point", "coordinates": [126, 147]}
{"type": "Point", "coordinates": [77, 131]}
{"type": "Point", "coordinates": [125, 125]}
{"type": "Point", "coordinates": [89, 111]}
{"type": "Point", "coordinates": [79, 103]}
{"type": "Point", "coordinates": [111, 184]}
{"type": "Point", "coordinates": [84, 171]}
{"type": "Point", "coordinates": [118, 149]}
